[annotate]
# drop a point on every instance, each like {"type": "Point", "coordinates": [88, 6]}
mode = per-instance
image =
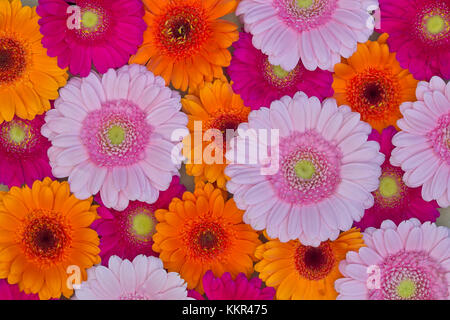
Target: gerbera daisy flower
{"type": "Point", "coordinates": [423, 145]}
{"type": "Point", "coordinates": [320, 178]}
{"type": "Point", "coordinates": [129, 233]}
{"type": "Point", "coordinates": [317, 32]}
{"type": "Point", "coordinates": [109, 32]}
{"type": "Point", "coordinates": [301, 272]}
{"type": "Point", "coordinates": [419, 34]}
{"type": "Point", "coordinates": [112, 134]}
{"type": "Point", "coordinates": [372, 83]}
{"type": "Point", "coordinates": [393, 199]}
{"type": "Point", "coordinates": [23, 152]}
{"type": "Point", "coordinates": [202, 232]}
{"type": "Point", "coordinates": [259, 82]}
{"type": "Point", "coordinates": [217, 107]}
{"type": "Point", "coordinates": [225, 288]}
{"type": "Point", "coordinates": [186, 42]}
{"type": "Point", "coordinates": [28, 77]}
{"type": "Point", "coordinates": [12, 292]}
{"type": "Point", "coordinates": [43, 231]}
{"type": "Point", "coordinates": [142, 279]}
{"type": "Point", "coordinates": [408, 262]}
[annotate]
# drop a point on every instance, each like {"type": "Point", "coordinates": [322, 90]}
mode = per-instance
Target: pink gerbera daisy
{"type": "Point", "coordinates": [423, 145]}
{"type": "Point", "coordinates": [419, 31]}
{"type": "Point", "coordinates": [259, 82]}
{"type": "Point", "coordinates": [408, 262]}
{"type": "Point", "coordinates": [326, 169]}
{"type": "Point", "coordinates": [225, 288]}
{"type": "Point", "coordinates": [393, 199]}
{"type": "Point", "coordinates": [12, 292]}
{"type": "Point", "coordinates": [112, 134]}
{"type": "Point", "coordinates": [23, 152]}
{"type": "Point", "coordinates": [129, 233]}
{"type": "Point", "coordinates": [142, 279]}
{"type": "Point", "coordinates": [107, 34]}
{"type": "Point", "coordinates": [318, 32]}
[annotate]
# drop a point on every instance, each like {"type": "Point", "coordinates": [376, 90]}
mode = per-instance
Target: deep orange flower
{"type": "Point", "coordinates": [186, 43]}
{"type": "Point", "coordinates": [301, 272]}
{"type": "Point", "coordinates": [43, 230]}
{"type": "Point", "coordinates": [217, 107]}
{"type": "Point", "coordinates": [372, 83]}
{"type": "Point", "coordinates": [202, 232]}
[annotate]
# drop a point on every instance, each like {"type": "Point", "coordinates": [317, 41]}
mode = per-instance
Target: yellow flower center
{"type": "Point", "coordinates": [406, 289]}
{"type": "Point", "coordinates": [304, 4]}
{"type": "Point", "coordinates": [388, 187]}
{"type": "Point", "coordinates": [17, 134]}
{"type": "Point", "coordinates": [280, 72]}
{"type": "Point", "coordinates": [305, 169]}
{"type": "Point", "coordinates": [116, 135]}
{"type": "Point", "coordinates": [142, 224]}
{"type": "Point", "coordinates": [435, 24]}
{"type": "Point", "coordinates": [90, 19]}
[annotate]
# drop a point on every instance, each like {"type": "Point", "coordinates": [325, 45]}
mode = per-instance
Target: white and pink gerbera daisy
{"type": "Point", "coordinates": [112, 134]}
{"type": "Point", "coordinates": [318, 32]}
{"type": "Point", "coordinates": [142, 279]}
{"type": "Point", "coordinates": [423, 145]}
{"type": "Point", "coordinates": [408, 262]}
{"type": "Point", "coordinates": [326, 169]}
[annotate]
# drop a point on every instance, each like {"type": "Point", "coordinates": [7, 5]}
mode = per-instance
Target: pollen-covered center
{"type": "Point", "coordinates": [19, 139]}
{"type": "Point", "coordinates": [95, 21]}
{"type": "Point", "coordinates": [305, 169]}
{"type": "Point", "coordinates": [432, 24]}
{"type": "Point", "coordinates": [391, 191]}
{"type": "Point", "coordinates": [143, 224]}
{"type": "Point", "coordinates": [388, 187]}
{"type": "Point", "coordinates": [12, 60]}
{"type": "Point", "coordinates": [137, 224]}
{"type": "Point", "coordinates": [440, 136]}
{"type": "Point", "coordinates": [406, 289]}
{"type": "Point", "coordinates": [305, 3]}
{"type": "Point", "coordinates": [435, 24]}
{"type": "Point", "coordinates": [206, 239]}
{"type": "Point", "coordinates": [90, 19]}
{"type": "Point", "coordinates": [314, 263]}
{"type": "Point", "coordinates": [117, 134]}
{"type": "Point", "coordinates": [279, 77]}
{"type": "Point", "coordinates": [17, 134]}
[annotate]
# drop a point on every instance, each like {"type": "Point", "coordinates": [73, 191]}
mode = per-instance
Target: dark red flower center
{"type": "Point", "coordinates": [373, 93]}
{"type": "Point", "coordinates": [207, 240]}
{"type": "Point", "coordinates": [12, 60]}
{"type": "Point", "coordinates": [314, 263]}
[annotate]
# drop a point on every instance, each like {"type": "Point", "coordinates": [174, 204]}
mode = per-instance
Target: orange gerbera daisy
{"type": "Point", "coordinates": [301, 272]}
{"type": "Point", "coordinates": [217, 107]}
{"type": "Point", "coordinates": [28, 77]}
{"type": "Point", "coordinates": [372, 83]}
{"type": "Point", "coordinates": [186, 42]}
{"type": "Point", "coordinates": [43, 231]}
{"type": "Point", "coordinates": [202, 232]}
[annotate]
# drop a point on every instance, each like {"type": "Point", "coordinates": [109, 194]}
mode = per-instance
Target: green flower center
{"type": "Point", "coordinates": [406, 289]}
{"type": "Point", "coordinates": [280, 72]}
{"type": "Point", "coordinates": [305, 169]}
{"type": "Point", "coordinates": [304, 4]}
{"type": "Point", "coordinates": [142, 224]}
{"type": "Point", "coordinates": [90, 19]}
{"type": "Point", "coordinates": [116, 135]}
{"type": "Point", "coordinates": [435, 24]}
{"type": "Point", "coordinates": [388, 187]}
{"type": "Point", "coordinates": [17, 134]}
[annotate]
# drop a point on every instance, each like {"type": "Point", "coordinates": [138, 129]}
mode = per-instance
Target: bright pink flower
{"type": "Point", "coordinates": [259, 83]}
{"type": "Point", "coordinates": [393, 199]}
{"type": "Point", "coordinates": [23, 152]}
{"type": "Point", "coordinates": [108, 34]}
{"type": "Point", "coordinates": [129, 233]}
{"type": "Point", "coordinates": [408, 262]}
{"type": "Point", "coordinates": [325, 175]}
{"type": "Point", "coordinates": [225, 288]}
{"type": "Point", "coordinates": [113, 134]}
{"type": "Point", "coordinates": [12, 292]}
{"type": "Point", "coordinates": [423, 145]}
{"type": "Point", "coordinates": [419, 32]}
{"type": "Point", "coordinates": [318, 32]}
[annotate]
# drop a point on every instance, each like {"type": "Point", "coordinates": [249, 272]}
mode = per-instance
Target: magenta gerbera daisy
{"type": "Point", "coordinates": [408, 262]}
{"type": "Point", "coordinates": [423, 144]}
{"type": "Point", "coordinates": [393, 199]}
{"type": "Point", "coordinates": [225, 288]}
{"type": "Point", "coordinates": [259, 83]}
{"type": "Point", "coordinates": [129, 233]}
{"type": "Point", "coordinates": [419, 32]}
{"type": "Point", "coordinates": [318, 32]}
{"type": "Point", "coordinates": [12, 292]}
{"type": "Point", "coordinates": [107, 34]}
{"type": "Point", "coordinates": [112, 134]}
{"type": "Point", "coordinates": [23, 152]}
{"type": "Point", "coordinates": [326, 170]}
